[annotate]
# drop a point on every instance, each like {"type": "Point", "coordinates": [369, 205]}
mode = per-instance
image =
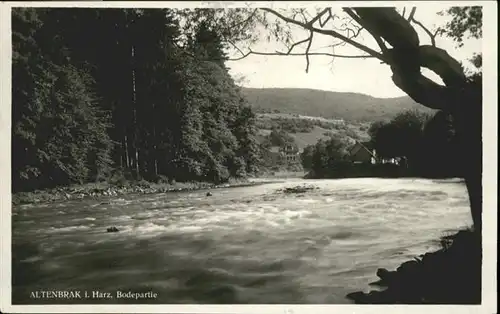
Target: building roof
{"type": "Point", "coordinates": [359, 145]}
{"type": "Point", "coordinates": [367, 145]}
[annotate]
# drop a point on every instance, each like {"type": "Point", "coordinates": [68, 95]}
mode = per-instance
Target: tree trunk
{"type": "Point", "coordinates": [126, 151]}
{"type": "Point", "coordinates": [467, 116]}
{"type": "Point", "coordinates": [134, 110]}
{"type": "Point", "coordinates": [155, 153]}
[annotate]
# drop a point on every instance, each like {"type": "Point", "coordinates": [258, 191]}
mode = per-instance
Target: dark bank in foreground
{"type": "Point", "coordinates": [451, 275]}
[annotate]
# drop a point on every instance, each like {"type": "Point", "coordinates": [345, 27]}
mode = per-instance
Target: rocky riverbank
{"type": "Point", "coordinates": [451, 275]}
{"type": "Point", "coordinates": [96, 190]}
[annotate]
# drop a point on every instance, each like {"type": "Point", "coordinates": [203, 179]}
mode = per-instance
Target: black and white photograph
{"type": "Point", "coordinates": [248, 154]}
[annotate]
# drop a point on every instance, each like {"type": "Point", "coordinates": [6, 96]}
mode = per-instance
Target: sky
{"type": "Point", "coordinates": [366, 76]}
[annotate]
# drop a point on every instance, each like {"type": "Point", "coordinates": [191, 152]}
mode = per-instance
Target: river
{"type": "Point", "coordinates": [240, 245]}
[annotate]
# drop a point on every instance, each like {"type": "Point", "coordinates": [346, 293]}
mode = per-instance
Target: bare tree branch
{"type": "Point", "coordinates": [303, 16]}
{"type": "Point", "coordinates": [332, 33]}
{"type": "Point", "coordinates": [356, 29]}
{"type": "Point", "coordinates": [342, 43]}
{"type": "Point", "coordinates": [236, 47]}
{"type": "Point", "coordinates": [246, 21]}
{"type": "Point", "coordinates": [431, 35]}
{"type": "Point", "coordinates": [317, 17]}
{"type": "Point", "coordinates": [307, 51]}
{"type": "Point", "coordinates": [412, 13]}
{"type": "Point", "coordinates": [277, 53]}
{"type": "Point", "coordinates": [355, 33]}
{"type": "Point", "coordinates": [298, 43]}
{"type": "Point", "coordinates": [377, 38]}
{"type": "Point", "coordinates": [330, 17]}
{"type": "Point", "coordinates": [309, 41]}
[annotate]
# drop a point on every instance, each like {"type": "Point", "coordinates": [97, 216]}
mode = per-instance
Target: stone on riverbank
{"type": "Point", "coordinates": [107, 190]}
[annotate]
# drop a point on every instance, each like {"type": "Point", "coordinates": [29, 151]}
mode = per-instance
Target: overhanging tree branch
{"type": "Point", "coordinates": [328, 32]}
{"type": "Point", "coordinates": [441, 63]}
{"type": "Point", "coordinates": [307, 51]}
{"type": "Point", "coordinates": [330, 17]}
{"type": "Point", "coordinates": [304, 17]}
{"type": "Point", "coordinates": [298, 43]}
{"type": "Point", "coordinates": [386, 23]}
{"type": "Point", "coordinates": [277, 53]}
{"type": "Point", "coordinates": [236, 47]}
{"type": "Point", "coordinates": [356, 29]}
{"type": "Point", "coordinates": [423, 90]}
{"type": "Point", "coordinates": [356, 18]}
{"type": "Point", "coordinates": [406, 57]}
{"type": "Point", "coordinates": [431, 35]}
{"type": "Point", "coordinates": [412, 13]}
{"type": "Point", "coordinates": [245, 22]}
{"type": "Point", "coordinates": [317, 17]}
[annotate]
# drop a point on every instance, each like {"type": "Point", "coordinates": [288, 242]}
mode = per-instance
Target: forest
{"type": "Point", "coordinates": [123, 93]}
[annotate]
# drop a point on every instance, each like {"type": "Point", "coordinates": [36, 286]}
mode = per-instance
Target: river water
{"type": "Point", "coordinates": [241, 245]}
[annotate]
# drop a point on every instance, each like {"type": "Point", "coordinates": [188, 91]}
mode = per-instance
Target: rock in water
{"type": "Point", "coordinates": [209, 194]}
{"type": "Point", "coordinates": [298, 189]}
{"type": "Point", "coordinates": [113, 229]}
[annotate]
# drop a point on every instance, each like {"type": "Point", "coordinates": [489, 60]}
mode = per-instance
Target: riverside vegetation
{"type": "Point", "coordinates": [104, 189]}
{"type": "Point", "coordinates": [147, 107]}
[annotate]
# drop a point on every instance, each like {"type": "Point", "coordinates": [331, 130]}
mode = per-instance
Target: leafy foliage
{"type": "Point", "coordinates": [278, 137]}
{"type": "Point", "coordinates": [466, 22]}
{"type": "Point", "coordinates": [323, 155]}
{"type": "Point", "coordinates": [59, 134]}
{"type": "Point", "coordinates": [400, 137]}
{"type": "Point", "coordinates": [428, 143]}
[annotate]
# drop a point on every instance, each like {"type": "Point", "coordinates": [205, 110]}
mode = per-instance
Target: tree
{"type": "Point", "coordinates": [439, 147]}
{"type": "Point", "coordinates": [398, 46]}
{"type": "Point", "coordinates": [402, 136]}
{"type": "Point", "coordinates": [26, 66]}
{"type": "Point", "coordinates": [324, 156]}
{"type": "Point", "coordinates": [306, 157]}
{"type": "Point", "coordinates": [385, 140]}
{"type": "Point", "coordinates": [375, 128]}
{"type": "Point", "coordinates": [60, 136]}
{"type": "Point", "coordinates": [279, 137]}
{"type": "Point", "coordinates": [245, 130]}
